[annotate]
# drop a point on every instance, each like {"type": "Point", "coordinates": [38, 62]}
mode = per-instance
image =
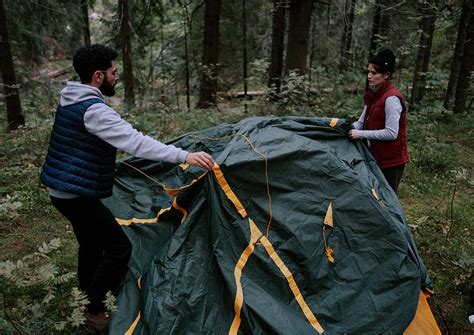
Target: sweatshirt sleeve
{"type": "Point", "coordinates": [359, 124]}
{"type": "Point", "coordinates": [393, 110]}
{"type": "Point", "coordinates": [105, 123]}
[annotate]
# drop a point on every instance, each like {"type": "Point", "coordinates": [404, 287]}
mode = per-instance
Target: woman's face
{"type": "Point", "coordinates": [376, 78]}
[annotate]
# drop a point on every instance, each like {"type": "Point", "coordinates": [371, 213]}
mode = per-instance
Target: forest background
{"type": "Point", "coordinates": [187, 65]}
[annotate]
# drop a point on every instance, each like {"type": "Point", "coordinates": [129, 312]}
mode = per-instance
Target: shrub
{"type": "Point", "coordinates": [39, 297]}
{"type": "Point", "coordinates": [437, 157]}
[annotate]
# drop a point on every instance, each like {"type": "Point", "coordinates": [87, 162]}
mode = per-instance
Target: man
{"type": "Point", "coordinates": [79, 171]}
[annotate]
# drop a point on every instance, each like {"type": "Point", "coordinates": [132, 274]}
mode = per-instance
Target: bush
{"type": "Point", "coordinates": [437, 157]}
{"type": "Point", "coordinates": [39, 297]}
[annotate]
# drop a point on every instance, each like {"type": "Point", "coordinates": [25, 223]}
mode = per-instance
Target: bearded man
{"type": "Point", "coordinates": [79, 171]}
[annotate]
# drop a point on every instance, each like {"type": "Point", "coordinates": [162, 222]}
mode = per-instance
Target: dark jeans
{"type": "Point", "coordinates": [104, 249]}
{"type": "Point", "coordinates": [394, 175]}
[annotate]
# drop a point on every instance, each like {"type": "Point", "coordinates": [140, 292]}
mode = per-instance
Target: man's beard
{"type": "Point", "coordinates": [107, 89]}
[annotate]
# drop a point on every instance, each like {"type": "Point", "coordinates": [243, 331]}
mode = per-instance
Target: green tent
{"type": "Point", "coordinates": [295, 231]}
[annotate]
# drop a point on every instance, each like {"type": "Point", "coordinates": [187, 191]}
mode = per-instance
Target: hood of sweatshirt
{"type": "Point", "coordinates": [75, 92]}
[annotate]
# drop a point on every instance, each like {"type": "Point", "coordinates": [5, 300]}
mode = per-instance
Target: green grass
{"type": "Point", "coordinates": [436, 193]}
{"type": "Point", "coordinates": [437, 196]}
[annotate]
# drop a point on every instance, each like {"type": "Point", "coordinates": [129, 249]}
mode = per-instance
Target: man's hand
{"type": "Point", "coordinates": [200, 159]}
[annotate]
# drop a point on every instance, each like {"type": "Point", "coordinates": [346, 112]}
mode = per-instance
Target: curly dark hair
{"type": "Point", "coordinates": [91, 58]}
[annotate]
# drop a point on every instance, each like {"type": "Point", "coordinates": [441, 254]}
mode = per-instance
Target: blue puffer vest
{"type": "Point", "coordinates": [77, 161]}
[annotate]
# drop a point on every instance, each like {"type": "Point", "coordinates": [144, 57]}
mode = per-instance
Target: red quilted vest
{"type": "Point", "coordinates": [386, 153]}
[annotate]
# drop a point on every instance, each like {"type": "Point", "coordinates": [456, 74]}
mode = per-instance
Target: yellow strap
{"type": "Point", "coordinates": [255, 235]}
{"type": "Point", "coordinates": [328, 218]}
{"type": "Point", "coordinates": [174, 191]}
{"type": "Point", "coordinates": [328, 221]}
{"type": "Point", "coordinates": [329, 254]}
{"type": "Point", "coordinates": [135, 322]}
{"type": "Point", "coordinates": [333, 122]}
{"type": "Point", "coordinates": [181, 209]}
{"type": "Point", "coordinates": [293, 286]}
{"type": "Point", "coordinates": [171, 191]}
{"type": "Point", "coordinates": [239, 296]}
{"type": "Point", "coordinates": [137, 220]}
{"type": "Point", "coordinates": [252, 145]}
{"type": "Point", "coordinates": [228, 192]}
{"type": "Point", "coordinates": [377, 197]}
{"type": "Point", "coordinates": [134, 325]}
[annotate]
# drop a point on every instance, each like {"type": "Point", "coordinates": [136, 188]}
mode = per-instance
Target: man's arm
{"type": "Point", "coordinates": [105, 123]}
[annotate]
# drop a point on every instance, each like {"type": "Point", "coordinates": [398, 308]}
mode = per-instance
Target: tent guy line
{"type": "Point", "coordinates": [174, 192]}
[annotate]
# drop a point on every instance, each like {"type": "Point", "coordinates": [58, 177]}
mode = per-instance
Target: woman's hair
{"type": "Point", "coordinates": [379, 68]}
{"type": "Point", "coordinates": [91, 58]}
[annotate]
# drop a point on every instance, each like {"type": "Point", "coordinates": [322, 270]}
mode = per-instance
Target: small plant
{"type": "Point", "coordinates": [294, 95]}
{"type": "Point", "coordinates": [437, 157]}
{"type": "Point", "coordinates": [9, 205]}
{"type": "Point", "coordinates": [432, 152]}
{"type": "Point", "coordinates": [295, 89]}
{"type": "Point", "coordinates": [458, 177]}
{"type": "Point", "coordinates": [111, 303]}
{"type": "Point", "coordinates": [38, 296]}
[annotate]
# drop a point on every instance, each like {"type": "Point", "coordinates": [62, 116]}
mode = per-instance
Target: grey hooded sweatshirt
{"type": "Point", "coordinates": [105, 123]}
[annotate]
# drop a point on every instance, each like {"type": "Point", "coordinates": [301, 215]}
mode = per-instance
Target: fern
{"type": "Point", "coordinates": [39, 296]}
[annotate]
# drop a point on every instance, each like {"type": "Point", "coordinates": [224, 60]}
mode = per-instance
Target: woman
{"type": "Point", "coordinates": [383, 121]}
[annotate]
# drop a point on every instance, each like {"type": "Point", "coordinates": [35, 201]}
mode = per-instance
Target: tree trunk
{"type": "Point", "coordinates": [278, 40]}
{"type": "Point", "coordinates": [186, 56]}
{"type": "Point", "coordinates": [298, 35]}
{"type": "Point", "coordinates": [349, 9]}
{"type": "Point", "coordinates": [312, 52]}
{"type": "Point", "coordinates": [466, 12]}
{"type": "Point", "coordinates": [424, 52]}
{"type": "Point", "coordinates": [126, 46]}
{"type": "Point", "coordinates": [464, 81]}
{"type": "Point", "coordinates": [85, 18]}
{"type": "Point", "coordinates": [244, 42]}
{"type": "Point", "coordinates": [379, 28]}
{"type": "Point", "coordinates": [162, 54]}
{"type": "Point", "coordinates": [15, 116]}
{"type": "Point", "coordinates": [379, 25]}
{"type": "Point", "coordinates": [210, 55]}
{"type": "Point", "coordinates": [186, 24]}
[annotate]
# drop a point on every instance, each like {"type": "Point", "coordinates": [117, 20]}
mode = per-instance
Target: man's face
{"type": "Point", "coordinates": [111, 78]}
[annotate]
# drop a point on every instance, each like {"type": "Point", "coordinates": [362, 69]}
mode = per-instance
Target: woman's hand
{"type": "Point", "coordinates": [353, 134]}
{"type": "Point", "coordinates": [200, 159]}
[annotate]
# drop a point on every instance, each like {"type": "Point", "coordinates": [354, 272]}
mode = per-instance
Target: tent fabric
{"type": "Point", "coordinates": [295, 231]}
{"type": "Point", "coordinates": [424, 322]}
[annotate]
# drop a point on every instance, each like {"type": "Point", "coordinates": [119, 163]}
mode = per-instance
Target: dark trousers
{"type": "Point", "coordinates": [394, 175]}
{"type": "Point", "coordinates": [104, 249]}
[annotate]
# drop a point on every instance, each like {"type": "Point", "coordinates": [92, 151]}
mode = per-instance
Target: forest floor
{"type": "Point", "coordinates": [436, 193]}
